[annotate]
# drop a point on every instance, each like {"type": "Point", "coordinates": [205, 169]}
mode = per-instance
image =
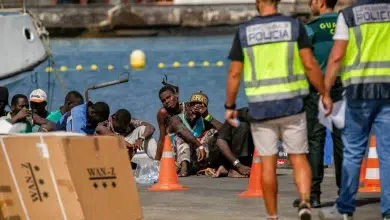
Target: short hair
{"type": "Point", "coordinates": [123, 117]}
{"type": "Point", "coordinates": [268, 1]}
{"type": "Point", "coordinates": [15, 98]}
{"type": "Point", "coordinates": [102, 109]}
{"type": "Point", "coordinates": [4, 94]}
{"type": "Point", "coordinates": [331, 3]}
{"type": "Point", "coordinates": [74, 95]}
{"type": "Point", "coordinates": [167, 88]}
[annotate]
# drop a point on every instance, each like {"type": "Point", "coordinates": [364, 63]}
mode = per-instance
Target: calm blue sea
{"type": "Point", "coordinates": [140, 94]}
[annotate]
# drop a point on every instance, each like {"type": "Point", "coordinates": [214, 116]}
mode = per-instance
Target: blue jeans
{"type": "Point", "coordinates": [360, 117]}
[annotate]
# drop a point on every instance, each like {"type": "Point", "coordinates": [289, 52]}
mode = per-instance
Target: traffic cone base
{"type": "Point", "coordinates": [370, 189]}
{"type": "Point", "coordinates": [254, 186]}
{"type": "Point", "coordinates": [167, 177]}
{"type": "Point", "coordinates": [253, 193]}
{"type": "Point", "coordinates": [371, 181]}
{"type": "Point", "coordinates": [167, 187]}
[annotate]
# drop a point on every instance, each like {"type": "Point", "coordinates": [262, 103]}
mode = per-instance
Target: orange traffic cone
{"type": "Point", "coordinates": [363, 171]}
{"type": "Point", "coordinates": [371, 180]}
{"type": "Point", "coordinates": [167, 178]}
{"type": "Point", "coordinates": [255, 185]}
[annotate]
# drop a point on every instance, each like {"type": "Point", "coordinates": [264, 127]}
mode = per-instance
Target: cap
{"type": "Point", "coordinates": [200, 97]}
{"type": "Point", "coordinates": [4, 95]}
{"type": "Point", "coordinates": [38, 96]}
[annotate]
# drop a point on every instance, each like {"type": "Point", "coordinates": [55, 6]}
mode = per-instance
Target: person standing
{"type": "Point", "coordinates": [361, 56]}
{"type": "Point", "coordinates": [320, 32]}
{"type": "Point", "coordinates": [274, 52]}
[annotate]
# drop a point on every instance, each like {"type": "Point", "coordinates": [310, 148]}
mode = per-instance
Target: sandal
{"type": "Point", "coordinates": [206, 172]}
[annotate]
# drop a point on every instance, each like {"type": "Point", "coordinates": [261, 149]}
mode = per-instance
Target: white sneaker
{"type": "Point", "coordinates": [333, 213]}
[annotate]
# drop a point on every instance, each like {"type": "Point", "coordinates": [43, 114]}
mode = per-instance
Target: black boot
{"type": "Point", "coordinates": [315, 201]}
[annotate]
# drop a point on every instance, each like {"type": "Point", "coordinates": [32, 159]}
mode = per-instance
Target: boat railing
{"type": "Point", "coordinates": [53, 3]}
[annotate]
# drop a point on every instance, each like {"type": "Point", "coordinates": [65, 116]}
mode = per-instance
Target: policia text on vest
{"type": "Point", "coordinates": [371, 13]}
{"type": "Point", "coordinates": [274, 75]}
{"type": "Point", "coordinates": [273, 32]}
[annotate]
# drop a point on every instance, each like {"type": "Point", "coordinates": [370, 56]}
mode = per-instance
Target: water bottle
{"type": "Point", "coordinates": [236, 121]}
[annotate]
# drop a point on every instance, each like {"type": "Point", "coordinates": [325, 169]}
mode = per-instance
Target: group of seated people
{"type": "Point", "coordinates": [201, 144]}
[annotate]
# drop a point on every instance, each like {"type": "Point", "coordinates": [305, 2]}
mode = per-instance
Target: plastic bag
{"type": "Point", "coordinates": [147, 171]}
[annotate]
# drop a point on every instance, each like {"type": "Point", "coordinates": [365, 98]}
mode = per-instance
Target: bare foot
{"type": "Point", "coordinates": [184, 169]}
{"type": "Point", "coordinates": [235, 174]}
{"type": "Point", "coordinates": [221, 172]}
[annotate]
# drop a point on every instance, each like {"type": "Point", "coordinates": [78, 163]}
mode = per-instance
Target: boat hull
{"type": "Point", "coordinates": [22, 48]}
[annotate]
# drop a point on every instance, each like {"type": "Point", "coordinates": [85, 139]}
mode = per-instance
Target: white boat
{"type": "Point", "coordinates": [23, 45]}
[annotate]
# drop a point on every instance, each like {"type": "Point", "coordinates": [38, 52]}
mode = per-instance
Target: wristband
{"type": "Point", "coordinates": [142, 137]}
{"type": "Point", "coordinates": [236, 162]}
{"type": "Point", "coordinates": [209, 118]}
{"type": "Point", "coordinates": [232, 107]}
{"type": "Point", "coordinates": [201, 148]}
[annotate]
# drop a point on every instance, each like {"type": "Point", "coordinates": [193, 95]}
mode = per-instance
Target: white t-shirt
{"type": "Point", "coordinates": [341, 32]}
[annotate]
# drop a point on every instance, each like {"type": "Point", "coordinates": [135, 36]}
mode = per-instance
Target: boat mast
{"type": "Point", "coordinates": [24, 6]}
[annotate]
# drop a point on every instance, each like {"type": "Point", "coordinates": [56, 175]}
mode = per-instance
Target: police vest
{"type": "Point", "coordinates": [273, 71]}
{"type": "Point", "coordinates": [366, 65]}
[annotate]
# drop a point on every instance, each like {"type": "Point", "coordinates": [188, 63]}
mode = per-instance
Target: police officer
{"type": "Point", "coordinates": [274, 53]}
{"type": "Point", "coordinates": [320, 32]}
{"type": "Point", "coordinates": [361, 55]}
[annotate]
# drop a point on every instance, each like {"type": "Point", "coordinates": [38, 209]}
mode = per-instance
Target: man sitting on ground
{"type": "Point", "coordinates": [20, 113]}
{"type": "Point", "coordinates": [84, 118]}
{"type": "Point", "coordinates": [192, 128]}
{"type": "Point", "coordinates": [169, 97]}
{"type": "Point", "coordinates": [236, 146]}
{"type": "Point", "coordinates": [138, 134]}
{"type": "Point", "coordinates": [38, 103]}
{"type": "Point", "coordinates": [72, 99]}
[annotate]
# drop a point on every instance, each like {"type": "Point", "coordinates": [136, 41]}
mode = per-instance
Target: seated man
{"type": "Point", "coordinates": [138, 134]}
{"type": "Point", "coordinates": [236, 146]}
{"type": "Point", "coordinates": [84, 118]}
{"type": "Point", "coordinates": [72, 99]}
{"type": "Point", "coordinates": [169, 97]}
{"type": "Point", "coordinates": [38, 105]}
{"type": "Point", "coordinates": [192, 128]}
{"type": "Point", "coordinates": [20, 113]}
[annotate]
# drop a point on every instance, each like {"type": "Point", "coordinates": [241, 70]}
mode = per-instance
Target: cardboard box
{"type": "Point", "coordinates": [66, 177]}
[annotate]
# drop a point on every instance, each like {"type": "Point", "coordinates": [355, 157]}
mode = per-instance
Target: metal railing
{"type": "Point", "coordinates": [48, 3]}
